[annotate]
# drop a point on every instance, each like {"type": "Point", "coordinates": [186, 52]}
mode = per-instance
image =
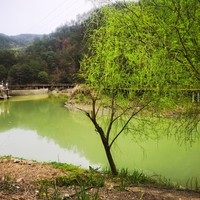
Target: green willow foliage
{"type": "Point", "coordinates": [178, 24]}
{"type": "Point", "coordinates": [147, 45]}
{"type": "Point", "coordinates": [145, 50]}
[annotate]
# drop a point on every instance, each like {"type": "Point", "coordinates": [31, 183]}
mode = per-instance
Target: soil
{"type": "Point", "coordinates": [18, 182]}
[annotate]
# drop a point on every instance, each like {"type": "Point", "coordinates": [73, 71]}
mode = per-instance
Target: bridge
{"type": "Point", "coordinates": [39, 86]}
{"type": "Point", "coordinates": [194, 93]}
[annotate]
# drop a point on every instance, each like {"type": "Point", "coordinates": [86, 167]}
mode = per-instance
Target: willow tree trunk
{"type": "Point", "coordinates": [110, 159]}
{"type": "Point", "coordinates": [107, 149]}
{"type": "Point", "coordinates": [104, 139]}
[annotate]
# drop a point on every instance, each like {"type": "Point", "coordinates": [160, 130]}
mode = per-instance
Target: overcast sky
{"type": "Point", "coordinates": [39, 16]}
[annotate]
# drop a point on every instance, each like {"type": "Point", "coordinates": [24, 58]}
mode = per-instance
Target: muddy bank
{"type": "Point", "coordinates": [19, 180]}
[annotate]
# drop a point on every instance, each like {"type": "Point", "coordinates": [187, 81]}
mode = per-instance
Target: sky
{"type": "Point", "coordinates": [39, 16]}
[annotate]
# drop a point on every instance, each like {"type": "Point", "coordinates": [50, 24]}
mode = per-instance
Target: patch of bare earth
{"type": "Point", "coordinates": [17, 182]}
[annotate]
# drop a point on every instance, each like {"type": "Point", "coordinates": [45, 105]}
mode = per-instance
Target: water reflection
{"type": "Point", "coordinates": [27, 144]}
{"type": "Point", "coordinates": [4, 108]}
{"type": "Point", "coordinates": [50, 120]}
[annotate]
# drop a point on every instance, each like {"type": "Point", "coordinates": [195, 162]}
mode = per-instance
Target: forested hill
{"type": "Point", "coordinates": [54, 58]}
{"type": "Point", "coordinates": [6, 42]}
{"type": "Point", "coordinates": [22, 40]}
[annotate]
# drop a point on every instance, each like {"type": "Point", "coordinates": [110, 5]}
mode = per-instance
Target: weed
{"type": "Point", "coordinates": [138, 177]}
{"type": "Point", "coordinates": [193, 184]}
{"type": "Point", "coordinates": [162, 181]}
{"type": "Point", "coordinates": [7, 183]}
{"type": "Point", "coordinates": [123, 175]}
{"type": "Point", "coordinates": [107, 171]}
{"type": "Point", "coordinates": [89, 179]}
{"type": "Point", "coordinates": [5, 157]}
{"type": "Point", "coordinates": [84, 195]}
{"type": "Point", "coordinates": [142, 194]}
{"type": "Point", "coordinates": [48, 190]}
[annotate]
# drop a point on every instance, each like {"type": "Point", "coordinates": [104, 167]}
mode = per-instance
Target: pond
{"type": "Point", "coordinates": [42, 129]}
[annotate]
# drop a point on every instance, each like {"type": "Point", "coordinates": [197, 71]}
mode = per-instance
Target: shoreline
{"type": "Point", "coordinates": [26, 179]}
{"type": "Point", "coordinates": [28, 92]}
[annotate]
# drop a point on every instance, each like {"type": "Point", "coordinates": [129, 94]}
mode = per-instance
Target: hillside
{"type": "Point", "coordinates": [42, 58]}
{"type": "Point", "coordinates": [22, 40]}
{"type": "Point", "coordinates": [6, 42]}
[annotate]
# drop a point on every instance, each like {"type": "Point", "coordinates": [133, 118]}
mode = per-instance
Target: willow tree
{"type": "Point", "coordinates": [126, 56]}
{"type": "Point", "coordinates": [178, 26]}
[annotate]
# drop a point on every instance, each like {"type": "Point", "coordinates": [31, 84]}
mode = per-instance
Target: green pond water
{"type": "Point", "coordinates": [42, 129]}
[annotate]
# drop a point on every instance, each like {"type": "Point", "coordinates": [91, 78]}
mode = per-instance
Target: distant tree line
{"type": "Point", "coordinates": [6, 42]}
{"type": "Point", "coordinates": [17, 42]}
{"type": "Point", "coordinates": [51, 59]}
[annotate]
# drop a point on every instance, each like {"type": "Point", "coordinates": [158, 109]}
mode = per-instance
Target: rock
{"type": "Point", "coordinates": [66, 196]}
{"type": "Point", "coordinates": [16, 161]}
{"type": "Point", "coordinates": [19, 180]}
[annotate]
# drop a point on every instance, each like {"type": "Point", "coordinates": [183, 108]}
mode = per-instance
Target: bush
{"type": "Point", "coordinates": [43, 77]}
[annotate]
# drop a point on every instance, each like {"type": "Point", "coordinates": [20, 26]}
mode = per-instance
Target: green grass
{"type": "Point", "coordinates": [138, 178]}
{"type": "Point", "coordinates": [88, 179]}
{"type": "Point", "coordinates": [80, 179]}
{"type": "Point", "coordinates": [67, 167]}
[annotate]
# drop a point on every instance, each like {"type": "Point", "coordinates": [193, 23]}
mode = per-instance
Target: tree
{"type": "Point", "coordinates": [61, 51]}
{"type": "Point", "coordinates": [7, 58]}
{"type": "Point", "coordinates": [20, 74]}
{"type": "Point", "coordinates": [51, 60]}
{"type": "Point", "coordinates": [3, 73]}
{"type": "Point", "coordinates": [36, 65]}
{"type": "Point", "coordinates": [108, 68]}
{"type": "Point", "coordinates": [177, 24]}
{"type": "Point", "coordinates": [128, 50]}
{"type": "Point", "coordinates": [43, 77]}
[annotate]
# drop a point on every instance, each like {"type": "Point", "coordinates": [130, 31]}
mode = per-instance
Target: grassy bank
{"type": "Point", "coordinates": [56, 181]}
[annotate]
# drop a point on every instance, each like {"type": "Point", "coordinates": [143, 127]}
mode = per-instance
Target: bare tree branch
{"type": "Point", "coordinates": [127, 122]}
{"type": "Point", "coordinates": [195, 71]}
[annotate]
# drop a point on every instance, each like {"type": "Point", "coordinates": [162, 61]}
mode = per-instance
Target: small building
{"type": "Point", "coordinates": [4, 94]}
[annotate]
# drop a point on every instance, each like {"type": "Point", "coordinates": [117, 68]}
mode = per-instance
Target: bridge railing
{"type": "Point", "coordinates": [38, 86]}
{"type": "Point", "coordinates": [194, 92]}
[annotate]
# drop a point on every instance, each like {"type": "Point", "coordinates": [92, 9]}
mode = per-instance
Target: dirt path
{"type": "Point", "coordinates": [17, 182]}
